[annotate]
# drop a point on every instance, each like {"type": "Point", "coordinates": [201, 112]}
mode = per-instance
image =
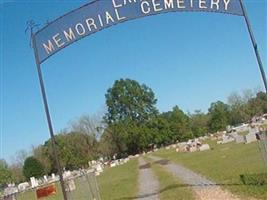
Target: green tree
{"type": "Point", "coordinates": [160, 130]}
{"type": "Point", "coordinates": [130, 107]}
{"type": "Point", "coordinates": [199, 123]}
{"type": "Point", "coordinates": [258, 104]}
{"type": "Point", "coordinates": [40, 153]}
{"type": "Point", "coordinates": [33, 168]}
{"type": "Point", "coordinates": [108, 144]}
{"type": "Point", "coordinates": [239, 109]}
{"type": "Point", "coordinates": [219, 114]}
{"type": "Point", "coordinates": [178, 127]}
{"type": "Point", "coordinates": [74, 149]}
{"type": "Point", "coordinates": [5, 174]}
{"type": "Point", "coordinates": [128, 100]}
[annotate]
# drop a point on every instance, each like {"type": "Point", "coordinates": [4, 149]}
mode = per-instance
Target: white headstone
{"type": "Point", "coordinates": [113, 164]}
{"type": "Point", "coordinates": [53, 176]}
{"type": "Point", "coordinates": [254, 130]}
{"type": "Point", "coordinates": [45, 178]}
{"type": "Point", "coordinates": [66, 174]}
{"type": "Point", "coordinates": [251, 137]}
{"type": "Point", "coordinates": [34, 182]}
{"type": "Point", "coordinates": [23, 186]}
{"type": "Point", "coordinates": [204, 147]}
{"type": "Point", "coordinates": [71, 185]}
{"type": "Point", "coordinates": [99, 168]}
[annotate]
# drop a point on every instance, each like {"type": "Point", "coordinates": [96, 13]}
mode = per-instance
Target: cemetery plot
{"type": "Point", "coordinates": [224, 164]}
{"type": "Point", "coordinates": [82, 187]}
{"type": "Point", "coordinates": [114, 183]}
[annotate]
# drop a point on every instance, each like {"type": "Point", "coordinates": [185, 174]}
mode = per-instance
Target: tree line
{"type": "Point", "coordinates": [132, 124]}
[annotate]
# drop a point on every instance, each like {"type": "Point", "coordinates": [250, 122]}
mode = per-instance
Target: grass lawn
{"type": "Point", "coordinates": [170, 187]}
{"type": "Point", "coordinates": [119, 182]}
{"type": "Point", "coordinates": [224, 164]}
{"type": "Point", "coordinates": [114, 183]}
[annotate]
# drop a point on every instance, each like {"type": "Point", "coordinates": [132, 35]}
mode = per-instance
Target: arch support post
{"type": "Point", "coordinates": [254, 43]}
{"type": "Point", "coordinates": [48, 117]}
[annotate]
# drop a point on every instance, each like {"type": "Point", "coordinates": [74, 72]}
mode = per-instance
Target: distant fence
{"type": "Point", "coordinates": [262, 141]}
{"type": "Point", "coordinates": [82, 187]}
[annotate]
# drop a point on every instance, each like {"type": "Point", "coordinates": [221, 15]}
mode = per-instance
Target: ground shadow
{"type": "Point", "coordinates": [148, 165]}
{"type": "Point", "coordinates": [174, 186]}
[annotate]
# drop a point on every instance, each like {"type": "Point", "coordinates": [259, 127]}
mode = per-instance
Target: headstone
{"type": "Point", "coordinates": [88, 171]}
{"type": "Point", "coordinates": [233, 135]}
{"type": "Point", "coordinates": [254, 130]}
{"type": "Point", "coordinates": [10, 191]}
{"type": "Point", "coordinates": [251, 137]}
{"type": "Point", "coordinates": [23, 186]}
{"type": "Point", "coordinates": [67, 174]}
{"type": "Point", "coordinates": [53, 176]}
{"type": "Point", "coordinates": [45, 178]}
{"type": "Point", "coordinates": [204, 147]}
{"type": "Point", "coordinates": [228, 129]}
{"type": "Point", "coordinates": [240, 139]}
{"type": "Point", "coordinates": [113, 164]}
{"type": "Point", "coordinates": [181, 144]}
{"type": "Point", "coordinates": [34, 182]}
{"type": "Point", "coordinates": [227, 139]}
{"type": "Point", "coordinates": [71, 185]}
{"type": "Point", "coordinates": [99, 168]}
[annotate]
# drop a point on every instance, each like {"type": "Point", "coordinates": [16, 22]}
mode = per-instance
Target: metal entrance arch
{"type": "Point", "coordinates": [100, 14]}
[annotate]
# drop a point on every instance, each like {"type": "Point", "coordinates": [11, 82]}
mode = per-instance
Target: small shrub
{"type": "Point", "coordinates": [33, 168]}
{"type": "Point", "coordinates": [254, 179]}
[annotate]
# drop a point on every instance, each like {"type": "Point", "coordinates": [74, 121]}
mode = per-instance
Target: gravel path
{"type": "Point", "coordinates": [148, 185]}
{"type": "Point", "coordinates": [204, 188]}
